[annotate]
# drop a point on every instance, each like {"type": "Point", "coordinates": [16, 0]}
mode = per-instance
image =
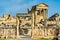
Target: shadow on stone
{"type": "Point", "coordinates": [55, 38]}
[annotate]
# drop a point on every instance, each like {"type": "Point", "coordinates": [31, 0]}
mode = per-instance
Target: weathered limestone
{"type": "Point", "coordinates": [35, 23]}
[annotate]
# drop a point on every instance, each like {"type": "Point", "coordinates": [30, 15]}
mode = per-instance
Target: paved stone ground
{"type": "Point", "coordinates": [23, 38]}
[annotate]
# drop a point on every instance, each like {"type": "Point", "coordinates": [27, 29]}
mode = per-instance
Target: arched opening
{"type": "Point", "coordinates": [25, 31]}
{"type": "Point", "coordinates": [56, 31]}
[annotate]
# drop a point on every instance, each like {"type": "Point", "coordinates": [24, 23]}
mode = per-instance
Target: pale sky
{"type": "Point", "coordinates": [20, 6]}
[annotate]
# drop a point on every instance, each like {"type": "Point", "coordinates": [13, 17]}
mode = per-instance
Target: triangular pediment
{"type": "Point", "coordinates": [42, 5]}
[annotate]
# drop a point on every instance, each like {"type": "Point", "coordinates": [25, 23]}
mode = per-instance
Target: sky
{"type": "Point", "coordinates": [20, 6]}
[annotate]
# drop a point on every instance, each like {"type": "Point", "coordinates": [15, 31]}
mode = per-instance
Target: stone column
{"type": "Point", "coordinates": [45, 13]}
{"type": "Point", "coordinates": [32, 22]}
{"type": "Point", "coordinates": [17, 28]}
{"type": "Point", "coordinates": [45, 23]}
{"type": "Point", "coordinates": [4, 30]}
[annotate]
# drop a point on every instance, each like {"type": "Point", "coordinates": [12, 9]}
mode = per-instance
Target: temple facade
{"type": "Point", "coordinates": [35, 23]}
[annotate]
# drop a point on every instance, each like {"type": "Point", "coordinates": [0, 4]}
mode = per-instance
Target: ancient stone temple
{"type": "Point", "coordinates": [35, 23]}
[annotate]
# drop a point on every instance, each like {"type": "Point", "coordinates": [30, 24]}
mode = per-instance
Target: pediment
{"type": "Point", "coordinates": [42, 5]}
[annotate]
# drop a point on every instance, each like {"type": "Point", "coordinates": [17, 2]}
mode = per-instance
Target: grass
{"type": "Point", "coordinates": [33, 39]}
{"type": "Point", "coordinates": [4, 38]}
{"type": "Point", "coordinates": [42, 39]}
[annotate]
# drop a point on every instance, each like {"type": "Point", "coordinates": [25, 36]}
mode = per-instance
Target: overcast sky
{"type": "Point", "coordinates": [20, 6]}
